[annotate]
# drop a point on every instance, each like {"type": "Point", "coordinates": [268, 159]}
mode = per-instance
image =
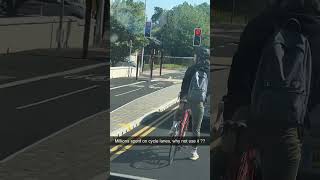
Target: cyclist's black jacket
{"type": "Point", "coordinates": [246, 59]}
{"type": "Point", "coordinates": [188, 76]}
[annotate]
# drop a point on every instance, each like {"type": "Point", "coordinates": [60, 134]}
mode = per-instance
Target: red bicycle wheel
{"type": "Point", "coordinates": [184, 123]}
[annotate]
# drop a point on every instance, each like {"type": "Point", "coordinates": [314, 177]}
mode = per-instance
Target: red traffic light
{"type": "Point", "coordinates": [197, 32]}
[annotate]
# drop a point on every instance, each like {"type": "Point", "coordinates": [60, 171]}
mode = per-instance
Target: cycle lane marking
{"type": "Point", "coordinates": [129, 176]}
{"type": "Point", "coordinates": [38, 78]}
{"type": "Point", "coordinates": [127, 92]}
{"type": "Point", "coordinates": [117, 87]}
{"type": "Point", "coordinates": [57, 97]}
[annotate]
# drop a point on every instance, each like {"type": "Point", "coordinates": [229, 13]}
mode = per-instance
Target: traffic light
{"type": "Point", "coordinates": [147, 29]}
{"type": "Point", "coordinates": [197, 37]}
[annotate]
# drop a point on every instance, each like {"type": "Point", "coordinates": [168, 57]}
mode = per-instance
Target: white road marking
{"type": "Point", "coordinates": [78, 76]}
{"type": "Point", "coordinates": [137, 99]}
{"type": "Point", "coordinates": [129, 176]}
{"type": "Point", "coordinates": [117, 87]}
{"type": "Point", "coordinates": [57, 97]}
{"type": "Point", "coordinates": [76, 70]}
{"type": "Point", "coordinates": [128, 92]}
{"type": "Point", "coordinates": [139, 86]}
{"type": "Point", "coordinates": [51, 136]}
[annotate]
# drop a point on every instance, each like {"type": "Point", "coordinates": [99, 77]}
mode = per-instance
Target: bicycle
{"type": "Point", "coordinates": [179, 132]}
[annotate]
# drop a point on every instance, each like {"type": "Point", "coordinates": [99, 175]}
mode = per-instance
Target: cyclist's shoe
{"type": "Point", "coordinates": [173, 128]}
{"type": "Point", "coordinates": [195, 155]}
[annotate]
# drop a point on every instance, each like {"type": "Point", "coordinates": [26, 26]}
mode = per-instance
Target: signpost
{"type": "Point", "coordinates": [147, 30]}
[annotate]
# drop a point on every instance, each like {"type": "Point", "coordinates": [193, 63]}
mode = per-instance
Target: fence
{"type": "Point", "coordinates": [168, 62]}
{"type": "Point", "coordinates": [36, 25]}
{"type": "Point", "coordinates": [222, 17]}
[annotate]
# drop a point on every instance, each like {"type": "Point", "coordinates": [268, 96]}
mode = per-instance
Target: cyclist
{"type": "Point", "coordinates": [202, 63]}
{"type": "Point", "coordinates": [279, 142]}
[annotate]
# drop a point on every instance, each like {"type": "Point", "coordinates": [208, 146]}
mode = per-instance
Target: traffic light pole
{"type": "Point", "coordinates": [99, 23]}
{"type": "Point", "coordinates": [233, 10]}
{"type": "Point", "coordinates": [145, 20]}
{"type": "Point", "coordinates": [151, 63]}
{"type": "Point", "coordinates": [161, 61]}
{"type": "Point", "coordinates": [86, 34]}
{"type": "Point", "coordinates": [61, 24]}
{"type": "Point", "coordinates": [137, 68]}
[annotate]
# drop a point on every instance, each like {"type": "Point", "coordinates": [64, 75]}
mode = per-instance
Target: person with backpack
{"type": "Point", "coordinates": [194, 92]}
{"type": "Point", "coordinates": [275, 73]}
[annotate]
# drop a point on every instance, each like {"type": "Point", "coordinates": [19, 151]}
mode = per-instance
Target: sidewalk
{"type": "Point", "coordinates": [131, 115]}
{"type": "Point", "coordinates": [77, 153]}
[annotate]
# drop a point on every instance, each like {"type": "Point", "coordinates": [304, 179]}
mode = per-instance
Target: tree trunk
{"type": "Point", "coordinates": [11, 8]}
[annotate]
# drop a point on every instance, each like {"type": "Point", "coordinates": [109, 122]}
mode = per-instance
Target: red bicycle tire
{"type": "Point", "coordinates": [184, 123]}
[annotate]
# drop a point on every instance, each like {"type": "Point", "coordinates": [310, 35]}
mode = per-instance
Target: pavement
{"type": "Point", "coordinates": [53, 116]}
{"type": "Point", "coordinates": [134, 101]}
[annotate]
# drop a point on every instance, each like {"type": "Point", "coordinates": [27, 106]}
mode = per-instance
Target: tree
{"type": "Point", "coordinates": [127, 23]}
{"type": "Point", "coordinates": [176, 31]}
{"type": "Point", "coordinates": [156, 16]}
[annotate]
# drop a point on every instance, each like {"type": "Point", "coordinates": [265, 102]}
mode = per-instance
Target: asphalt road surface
{"type": "Point", "coordinates": [39, 106]}
{"type": "Point", "coordinates": [125, 90]}
{"type": "Point", "coordinates": [151, 161]}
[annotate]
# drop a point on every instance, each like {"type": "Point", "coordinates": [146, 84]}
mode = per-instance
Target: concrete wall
{"type": "Point", "coordinates": [27, 33]}
{"type": "Point", "coordinates": [117, 72]}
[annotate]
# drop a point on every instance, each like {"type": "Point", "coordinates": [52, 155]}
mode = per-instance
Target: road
{"type": "Point", "coordinates": [43, 98]}
{"type": "Point", "coordinates": [151, 161]}
{"type": "Point", "coordinates": [125, 90]}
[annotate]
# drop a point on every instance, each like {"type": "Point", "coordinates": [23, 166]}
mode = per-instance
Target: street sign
{"type": "Point", "coordinates": [197, 37]}
{"type": "Point", "coordinates": [147, 29]}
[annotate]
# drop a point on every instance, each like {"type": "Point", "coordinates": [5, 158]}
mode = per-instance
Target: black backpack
{"type": "Point", "coordinates": [281, 90]}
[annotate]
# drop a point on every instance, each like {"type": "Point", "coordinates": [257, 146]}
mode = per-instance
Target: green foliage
{"type": "Point", "coordinates": [177, 26]}
{"type": "Point", "coordinates": [174, 28]}
{"type": "Point", "coordinates": [127, 23]}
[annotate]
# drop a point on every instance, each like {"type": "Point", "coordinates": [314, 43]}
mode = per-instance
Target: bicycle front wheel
{"type": "Point", "coordinates": [172, 152]}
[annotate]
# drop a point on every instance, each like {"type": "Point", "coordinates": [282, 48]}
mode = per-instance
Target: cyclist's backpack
{"type": "Point", "coordinates": [198, 87]}
{"type": "Point", "coordinates": [281, 90]}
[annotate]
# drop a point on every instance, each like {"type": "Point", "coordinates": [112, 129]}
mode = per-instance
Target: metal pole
{"type": "Point", "coordinates": [145, 20]}
{"type": "Point", "coordinates": [233, 10]}
{"type": "Point", "coordinates": [99, 23]}
{"type": "Point", "coordinates": [137, 68]}
{"type": "Point", "coordinates": [61, 24]}
{"type": "Point", "coordinates": [86, 34]}
{"type": "Point", "coordinates": [130, 50]}
{"type": "Point", "coordinates": [161, 61]}
{"type": "Point", "coordinates": [151, 64]}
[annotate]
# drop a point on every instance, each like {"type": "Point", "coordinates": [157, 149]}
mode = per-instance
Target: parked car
{"type": "Point", "coordinates": [126, 62]}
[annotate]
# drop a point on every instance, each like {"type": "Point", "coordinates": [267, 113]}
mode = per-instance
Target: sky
{"type": "Point", "coordinates": [168, 4]}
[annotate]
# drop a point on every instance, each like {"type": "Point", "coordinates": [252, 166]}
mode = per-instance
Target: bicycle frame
{"type": "Point", "coordinates": [184, 123]}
